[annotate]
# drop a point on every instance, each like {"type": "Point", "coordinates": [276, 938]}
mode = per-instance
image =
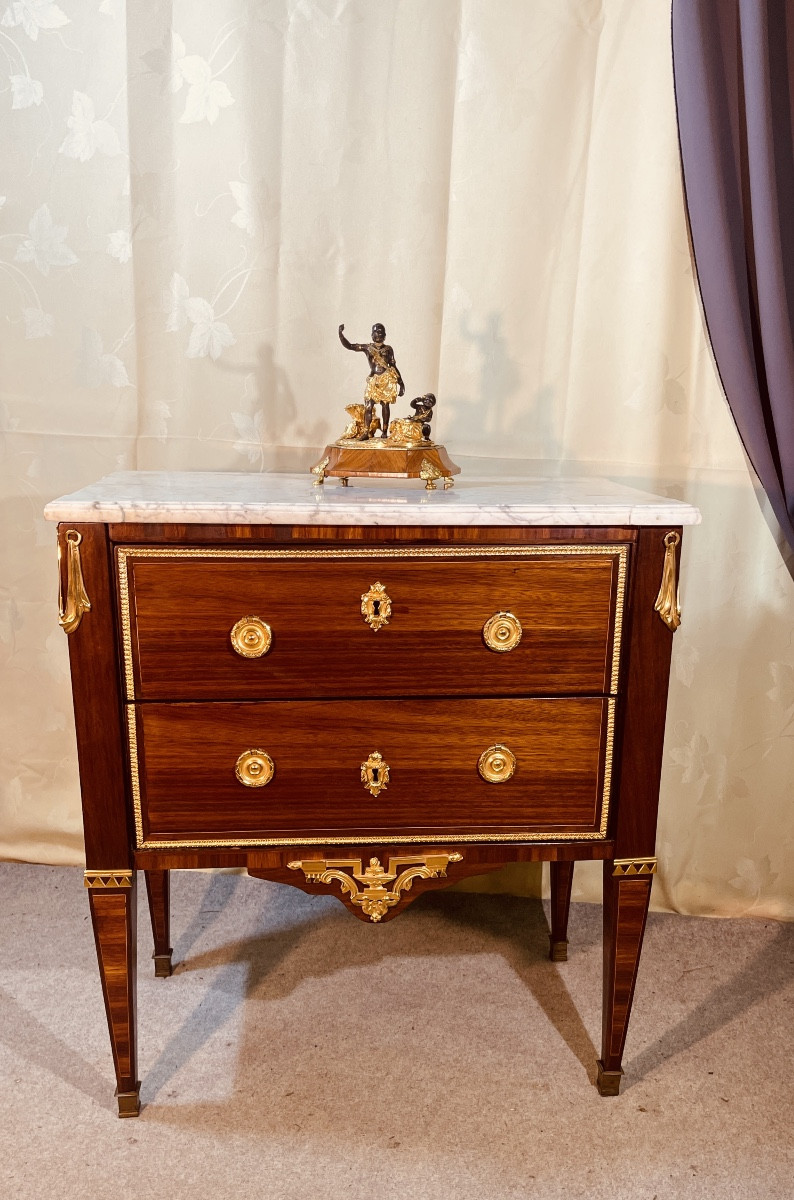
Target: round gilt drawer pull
{"type": "Point", "coordinates": [502, 631]}
{"type": "Point", "coordinates": [251, 637]}
{"type": "Point", "coordinates": [254, 768]}
{"type": "Point", "coordinates": [497, 764]}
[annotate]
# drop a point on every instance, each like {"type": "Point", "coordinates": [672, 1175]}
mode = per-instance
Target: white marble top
{"type": "Point", "coordinates": [245, 498]}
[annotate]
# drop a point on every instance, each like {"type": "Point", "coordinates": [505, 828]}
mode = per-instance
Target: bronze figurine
{"type": "Point", "coordinates": [404, 449]}
{"type": "Point", "coordinates": [411, 431]}
{"type": "Point", "coordinates": [423, 412]}
{"type": "Point", "coordinates": [384, 383]}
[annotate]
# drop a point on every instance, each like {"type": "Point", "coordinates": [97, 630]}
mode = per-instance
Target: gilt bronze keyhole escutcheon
{"type": "Point", "coordinates": [375, 773]}
{"type": "Point", "coordinates": [376, 606]}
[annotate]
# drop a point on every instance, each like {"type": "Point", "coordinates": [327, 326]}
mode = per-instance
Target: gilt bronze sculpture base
{"type": "Point", "coordinates": [377, 459]}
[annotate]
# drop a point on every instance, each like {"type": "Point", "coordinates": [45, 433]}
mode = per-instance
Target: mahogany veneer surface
{"type": "Point", "coordinates": [189, 788]}
{"type": "Point", "coordinates": [183, 608]}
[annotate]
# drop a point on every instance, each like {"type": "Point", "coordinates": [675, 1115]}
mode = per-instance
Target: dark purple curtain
{"type": "Point", "coordinates": [733, 63]}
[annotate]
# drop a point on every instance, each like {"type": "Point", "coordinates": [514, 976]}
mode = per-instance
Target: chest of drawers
{"type": "Point", "coordinates": [367, 693]}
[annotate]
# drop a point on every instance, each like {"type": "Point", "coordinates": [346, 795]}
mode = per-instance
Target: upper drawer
{"type": "Point", "coordinates": [423, 634]}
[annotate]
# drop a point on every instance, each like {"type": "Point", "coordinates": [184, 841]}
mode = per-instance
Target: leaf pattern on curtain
{"type": "Point", "coordinates": [45, 245]}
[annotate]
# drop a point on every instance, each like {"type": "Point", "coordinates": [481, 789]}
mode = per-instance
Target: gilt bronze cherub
{"type": "Point", "coordinates": [411, 431]}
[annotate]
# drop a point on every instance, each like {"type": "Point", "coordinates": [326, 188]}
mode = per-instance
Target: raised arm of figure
{"type": "Point", "coordinates": [349, 345]}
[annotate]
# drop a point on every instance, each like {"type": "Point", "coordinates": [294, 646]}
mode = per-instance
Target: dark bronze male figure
{"type": "Point", "coordinates": [384, 383]}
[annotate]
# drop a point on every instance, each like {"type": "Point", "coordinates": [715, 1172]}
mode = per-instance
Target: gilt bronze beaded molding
{"type": "Point", "coordinates": [618, 552]}
{"type": "Point", "coordinates": [598, 835]}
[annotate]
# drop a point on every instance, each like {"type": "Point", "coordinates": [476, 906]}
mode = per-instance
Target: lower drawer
{"type": "Point", "coordinates": [344, 771]}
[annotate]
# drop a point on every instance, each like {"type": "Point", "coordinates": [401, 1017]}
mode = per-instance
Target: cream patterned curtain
{"type": "Point", "coordinates": [196, 193]}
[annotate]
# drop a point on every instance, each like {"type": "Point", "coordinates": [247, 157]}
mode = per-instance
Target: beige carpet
{"type": "Point", "coordinates": [297, 1052]}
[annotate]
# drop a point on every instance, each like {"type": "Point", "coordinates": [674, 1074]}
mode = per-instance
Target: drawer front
{"type": "Point", "coordinates": [328, 781]}
{"type": "Point", "coordinates": [424, 633]}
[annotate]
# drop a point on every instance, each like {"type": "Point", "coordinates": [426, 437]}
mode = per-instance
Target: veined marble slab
{"type": "Point", "coordinates": [245, 498]}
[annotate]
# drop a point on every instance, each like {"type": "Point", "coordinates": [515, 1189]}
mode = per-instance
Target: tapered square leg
{"type": "Point", "coordinates": [113, 914]}
{"type": "Point", "coordinates": [561, 874]}
{"type": "Point", "coordinates": [158, 891]}
{"type": "Point", "coordinates": [627, 892]}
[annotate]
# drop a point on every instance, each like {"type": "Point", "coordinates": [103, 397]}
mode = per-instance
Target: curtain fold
{"type": "Point", "coordinates": [734, 82]}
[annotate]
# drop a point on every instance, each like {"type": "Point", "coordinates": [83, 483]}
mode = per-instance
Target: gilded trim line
{"type": "Point", "coordinates": [135, 776]}
{"type": "Point", "coordinates": [620, 601]}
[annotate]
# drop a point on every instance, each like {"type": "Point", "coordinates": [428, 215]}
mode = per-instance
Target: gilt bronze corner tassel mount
{"type": "Point", "coordinates": [667, 603]}
{"type": "Point", "coordinates": [70, 614]}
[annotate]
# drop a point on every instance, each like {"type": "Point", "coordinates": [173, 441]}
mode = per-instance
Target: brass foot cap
{"type": "Point", "coordinates": [162, 965]}
{"type": "Point", "coordinates": [558, 951]}
{"type": "Point", "coordinates": [608, 1082]}
{"type": "Point", "coordinates": [129, 1103]}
